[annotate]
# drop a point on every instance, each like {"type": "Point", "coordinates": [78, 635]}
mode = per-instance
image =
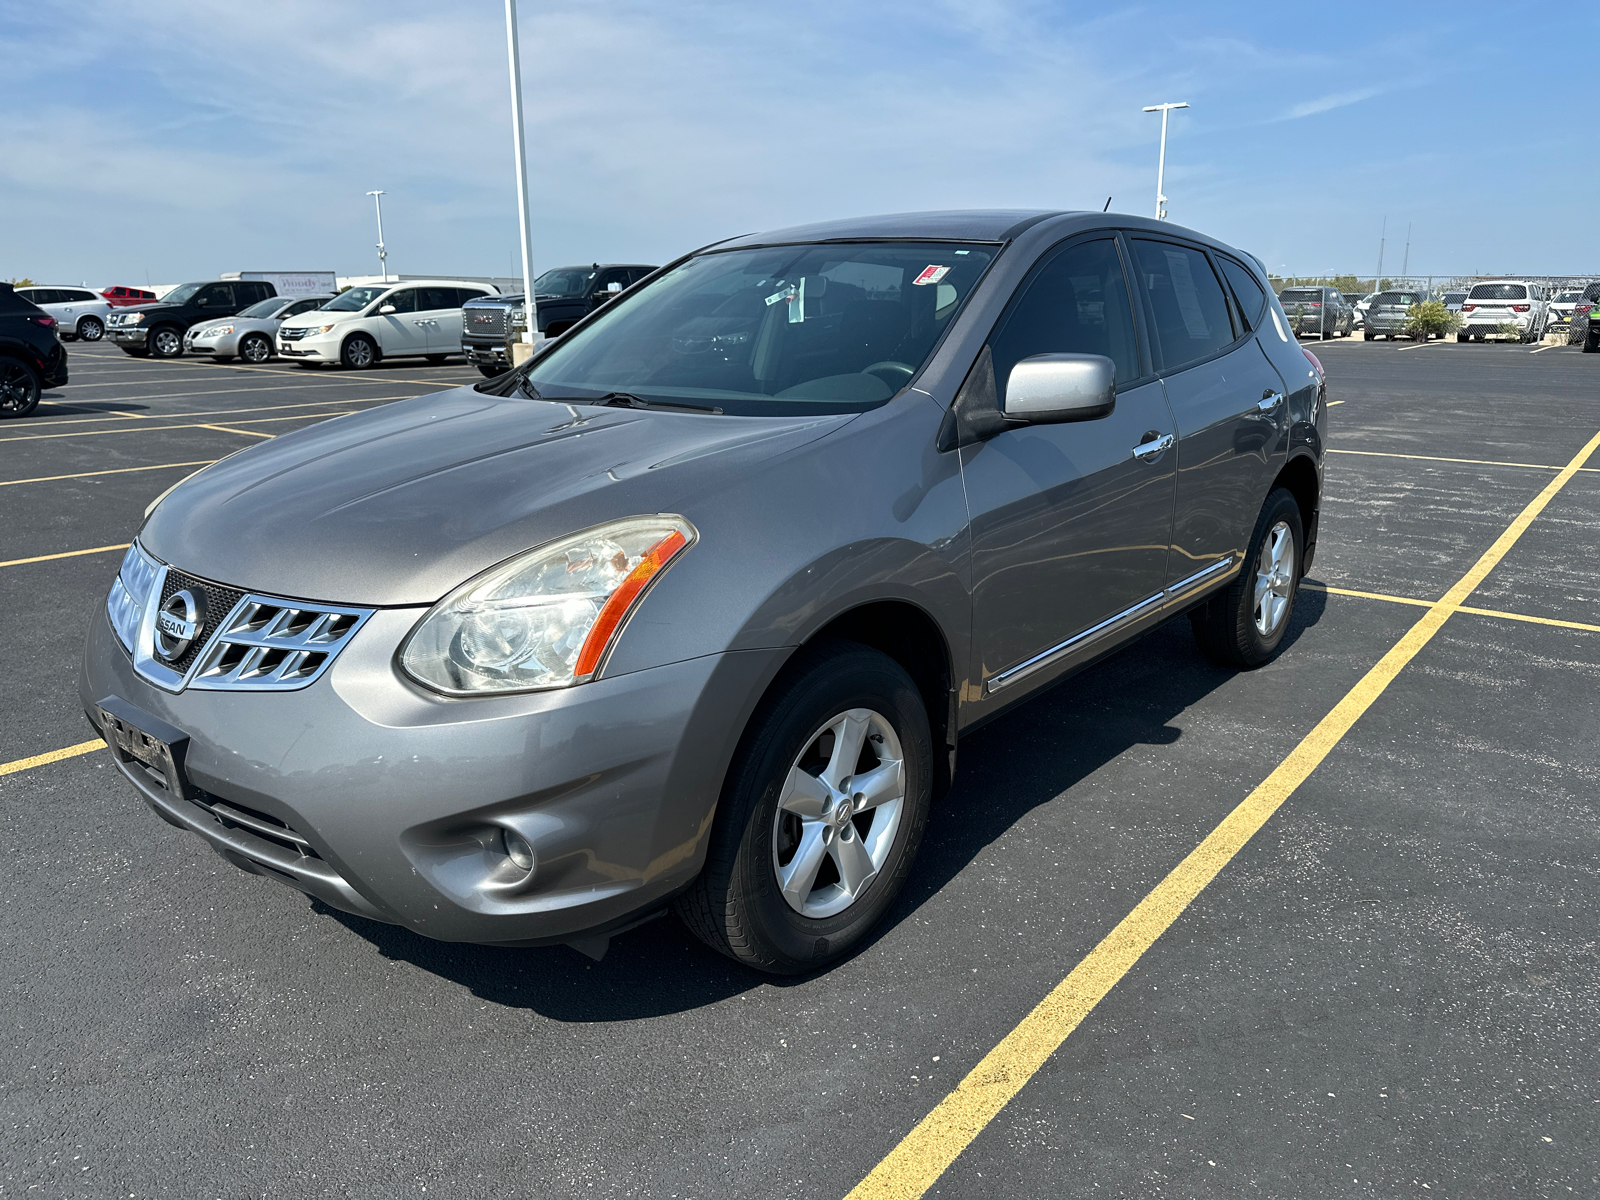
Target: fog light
{"type": "Point", "coordinates": [517, 849]}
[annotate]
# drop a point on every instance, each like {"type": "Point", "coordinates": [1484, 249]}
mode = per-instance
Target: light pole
{"type": "Point", "coordinates": [383, 255]}
{"type": "Point", "coordinates": [525, 226]}
{"type": "Point", "coordinates": [1161, 162]}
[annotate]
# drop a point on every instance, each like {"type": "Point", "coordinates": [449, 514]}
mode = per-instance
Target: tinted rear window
{"type": "Point", "coordinates": [1252, 297]}
{"type": "Point", "coordinates": [1499, 291]}
{"type": "Point", "coordinates": [10, 302]}
{"type": "Point", "coordinates": [1406, 298]}
{"type": "Point", "coordinates": [1301, 295]}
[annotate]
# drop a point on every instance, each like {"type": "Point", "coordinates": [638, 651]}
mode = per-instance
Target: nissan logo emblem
{"type": "Point", "coordinates": [178, 623]}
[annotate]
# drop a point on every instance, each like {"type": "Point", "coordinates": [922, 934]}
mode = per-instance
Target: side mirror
{"type": "Point", "coordinates": [613, 287]}
{"type": "Point", "coordinates": [386, 310]}
{"type": "Point", "coordinates": [1054, 388]}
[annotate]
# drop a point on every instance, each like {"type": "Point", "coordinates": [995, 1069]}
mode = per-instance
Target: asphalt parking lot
{"type": "Point", "coordinates": [1390, 990]}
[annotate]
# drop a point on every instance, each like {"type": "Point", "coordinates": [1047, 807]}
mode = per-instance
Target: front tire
{"type": "Point", "coordinates": [19, 388]}
{"type": "Point", "coordinates": [821, 814]}
{"type": "Point", "coordinates": [165, 342]}
{"type": "Point", "coordinates": [1366, 335]}
{"type": "Point", "coordinates": [358, 353]}
{"type": "Point", "coordinates": [91, 329]}
{"type": "Point", "coordinates": [255, 348]}
{"type": "Point", "coordinates": [1243, 625]}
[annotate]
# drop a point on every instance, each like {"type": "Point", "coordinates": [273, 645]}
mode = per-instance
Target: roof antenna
{"type": "Point", "coordinates": [1107, 208]}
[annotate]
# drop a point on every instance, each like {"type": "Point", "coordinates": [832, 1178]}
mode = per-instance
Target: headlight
{"type": "Point", "coordinates": [546, 618]}
{"type": "Point", "coordinates": [214, 331]}
{"type": "Point", "coordinates": [133, 318]}
{"type": "Point", "coordinates": [324, 329]}
{"type": "Point", "coordinates": [130, 591]}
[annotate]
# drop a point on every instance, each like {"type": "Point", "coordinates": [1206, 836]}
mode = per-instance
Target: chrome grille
{"type": "Point", "coordinates": [483, 322]}
{"type": "Point", "coordinates": [266, 644]}
{"type": "Point", "coordinates": [219, 602]}
{"type": "Point", "coordinates": [295, 333]}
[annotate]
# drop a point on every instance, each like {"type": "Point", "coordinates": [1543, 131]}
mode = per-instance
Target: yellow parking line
{"type": "Point", "coordinates": [204, 462]}
{"type": "Point", "coordinates": [1422, 345]}
{"type": "Point", "coordinates": [219, 412]}
{"type": "Point", "coordinates": [923, 1155]}
{"type": "Point", "coordinates": [1476, 462]}
{"type": "Point", "coordinates": [41, 760]}
{"type": "Point", "coordinates": [154, 428]}
{"type": "Point", "coordinates": [1466, 608]}
{"type": "Point", "coordinates": [17, 562]}
{"type": "Point", "coordinates": [246, 432]}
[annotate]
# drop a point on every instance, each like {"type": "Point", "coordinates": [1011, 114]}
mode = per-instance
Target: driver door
{"type": "Point", "coordinates": [1070, 523]}
{"type": "Point", "coordinates": [402, 331]}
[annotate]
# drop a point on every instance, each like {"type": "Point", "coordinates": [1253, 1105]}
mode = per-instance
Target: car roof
{"type": "Point", "coordinates": [956, 225]}
{"type": "Point", "coordinates": [432, 283]}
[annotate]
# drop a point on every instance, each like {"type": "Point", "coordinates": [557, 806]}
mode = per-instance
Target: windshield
{"type": "Point", "coordinates": [1499, 291]}
{"type": "Point", "coordinates": [820, 328]}
{"type": "Point", "coordinates": [564, 281]}
{"type": "Point", "coordinates": [263, 308]}
{"type": "Point", "coordinates": [354, 299]}
{"type": "Point", "coordinates": [181, 293]}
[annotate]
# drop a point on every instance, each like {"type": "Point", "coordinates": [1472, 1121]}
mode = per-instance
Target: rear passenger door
{"type": "Point", "coordinates": [1229, 404]}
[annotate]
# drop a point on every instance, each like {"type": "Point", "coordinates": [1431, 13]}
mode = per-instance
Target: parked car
{"type": "Point", "coordinates": [1387, 314]}
{"type": "Point", "coordinates": [364, 325]}
{"type": "Point", "coordinates": [1514, 306]}
{"type": "Point", "coordinates": [562, 297]}
{"type": "Point", "coordinates": [1318, 310]}
{"type": "Point", "coordinates": [694, 606]}
{"type": "Point", "coordinates": [158, 329]}
{"type": "Point", "coordinates": [1453, 299]}
{"type": "Point", "coordinates": [252, 334]}
{"type": "Point", "coordinates": [1585, 329]}
{"type": "Point", "coordinates": [32, 357]}
{"type": "Point", "coordinates": [79, 313]}
{"type": "Point", "coordinates": [122, 297]}
{"type": "Point", "coordinates": [1562, 302]}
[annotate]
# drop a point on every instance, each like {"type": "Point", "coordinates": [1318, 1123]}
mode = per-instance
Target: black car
{"type": "Point", "coordinates": [157, 329]}
{"type": "Point", "coordinates": [32, 357]}
{"type": "Point", "coordinates": [1585, 329]}
{"type": "Point", "coordinates": [1322, 311]}
{"type": "Point", "coordinates": [563, 296]}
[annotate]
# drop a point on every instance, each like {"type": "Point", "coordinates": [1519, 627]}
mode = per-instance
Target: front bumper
{"type": "Point", "coordinates": [323, 348]}
{"type": "Point", "coordinates": [228, 343]}
{"type": "Point", "coordinates": [393, 799]}
{"type": "Point", "coordinates": [486, 354]}
{"type": "Point", "coordinates": [126, 335]}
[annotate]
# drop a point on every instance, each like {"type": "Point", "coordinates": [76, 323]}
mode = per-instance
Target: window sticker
{"type": "Point", "coordinates": [795, 294]}
{"type": "Point", "coordinates": [1194, 320]}
{"type": "Point", "coordinates": [930, 274]}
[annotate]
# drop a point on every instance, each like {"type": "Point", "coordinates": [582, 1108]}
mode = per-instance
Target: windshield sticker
{"type": "Point", "coordinates": [795, 294]}
{"type": "Point", "coordinates": [930, 274]}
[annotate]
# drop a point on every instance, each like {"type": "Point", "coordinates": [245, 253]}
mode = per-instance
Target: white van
{"type": "Point", "coordinates": [362, 325]}
{"type": "Point", "coordinates": [1504, 305]}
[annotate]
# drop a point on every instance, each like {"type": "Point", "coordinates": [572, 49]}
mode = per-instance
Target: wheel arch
{"type": "Point", "coordinates": [1304, 482]}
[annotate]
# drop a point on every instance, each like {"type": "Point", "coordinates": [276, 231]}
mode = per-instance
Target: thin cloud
{"type": "Point", "coordinates": [1328, 103]}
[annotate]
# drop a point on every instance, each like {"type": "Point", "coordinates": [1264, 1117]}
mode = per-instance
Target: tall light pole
{"type": "Point", "coordinates": [1383, 237]}
{"type": "Point", "coordinates": [524, 222]}
{"type": "Point", "coordinates": [1161, 162]}
{"type": "Point", "coordinates": [383, 255]}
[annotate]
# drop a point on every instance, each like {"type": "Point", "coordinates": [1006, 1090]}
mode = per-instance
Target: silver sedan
{"type": "Point", "coordinates": [251, 333]}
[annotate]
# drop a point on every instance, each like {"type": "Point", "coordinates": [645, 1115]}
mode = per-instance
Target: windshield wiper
{"type": "Point", "coordinates": [629, 400]}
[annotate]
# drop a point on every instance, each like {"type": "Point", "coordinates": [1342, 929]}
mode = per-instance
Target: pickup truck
{"type": "Point", "coordinates": [562, 297]}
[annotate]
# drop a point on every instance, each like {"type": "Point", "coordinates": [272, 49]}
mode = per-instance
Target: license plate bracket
{"type": "Point", "coordinates": [146, 743]}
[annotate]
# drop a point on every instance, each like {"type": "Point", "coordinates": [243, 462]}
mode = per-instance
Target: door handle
{"type": "Point", "coordinates": [1151, 449]}
{"type": "Point", "coordinates": [1269, 400]}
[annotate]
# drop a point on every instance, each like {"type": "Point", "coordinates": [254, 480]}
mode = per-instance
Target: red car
{"type": "Point", "coordinates": [121, 297]}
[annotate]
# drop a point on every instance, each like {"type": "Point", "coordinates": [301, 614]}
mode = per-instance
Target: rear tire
{"type": "Point", "coordinates": [1366, 335]}
{"type": "Point", "coordinates": [255, 348]}
{"type": "Point", "coordinates": [791, 791]}
{"type": "Point", "coordinates": [91, 329]}
{"type": "Point", "coordinates": [1591, 342]}
{"type": "Point", "coordinates": [1243, 625]}
{"type": "Point", "coordinates": [19, 388]}
{"type": "Point", "coordinates": [359, 353]}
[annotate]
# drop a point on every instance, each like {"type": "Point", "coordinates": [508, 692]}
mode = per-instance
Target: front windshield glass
{"type": "Point", "coordinates": [354, 299]}
{"type": "Point", "coordinates": [181, 293]}
{"type": "Point", "coordinates": [564, 281]}
{"type": "Point", "coordinates": [263, 308]}
{"type": "Point", "coordinates": [814, 328]}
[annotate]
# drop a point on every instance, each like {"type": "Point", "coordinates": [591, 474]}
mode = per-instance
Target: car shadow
{"type": "Point", "coordinates": [660, 968]}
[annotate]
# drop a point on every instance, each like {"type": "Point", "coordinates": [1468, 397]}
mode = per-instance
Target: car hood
{"type": "Point", "coordinates": [154, 306]}
{"type": "Point", "coordinates": [317, 317]}
{"type": "Point", "coordinates": [400, 504]}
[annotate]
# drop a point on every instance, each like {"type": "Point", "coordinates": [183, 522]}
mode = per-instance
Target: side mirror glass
{"type": "Point", "coordinates": [1054, 388]}
{"type": "Point", "coordinates": [386, 310]}
{"type": "Point", "coordinates": [613, 287]}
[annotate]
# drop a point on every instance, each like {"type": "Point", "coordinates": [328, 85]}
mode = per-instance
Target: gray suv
{"type": "Point", "coordinates": [1322, 312]}
{"type": "Point", "coordinates": [694, 608]}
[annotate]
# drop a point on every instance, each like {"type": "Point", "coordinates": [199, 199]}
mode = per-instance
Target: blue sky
{"type": "Point", "coordinates": [179, 140]}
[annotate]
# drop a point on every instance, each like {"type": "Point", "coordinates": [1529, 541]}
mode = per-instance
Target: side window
{"type": "Point", "coordinates": [1076, 304]}
{"type": "Point", "coordinates": [464, 294]}
{"type": "Point", "coordinates": [300, 306]}
{"type": "Point", "coordinates": [218, 295]}
{"type": "Point", "coordinates": [40, 296]}
{"type": "Point", "coordinates": [404, 301]}
{"type": "Point", "coordinates": [431, 298]}
{"type": "Point", "coordinates": [637, 273]}
{"type": "Point", "coordinates": [1191, 312]}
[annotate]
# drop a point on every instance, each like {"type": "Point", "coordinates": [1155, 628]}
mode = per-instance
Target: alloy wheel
{"type": "Point", "coordinates": [838, 812]}
{"type": "Point", "coordinates": [166, 343]}
{"type": "Point", "coordinates": [255, 349]}
{"type": "Point", "coordinates": [1274, 579]}
{"type": "Point", "coordinates": [91, 330]}
{"type": "Point", "coordinates": [358, 353]}
{"type": "Point", "coordinates": [16, 387]}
